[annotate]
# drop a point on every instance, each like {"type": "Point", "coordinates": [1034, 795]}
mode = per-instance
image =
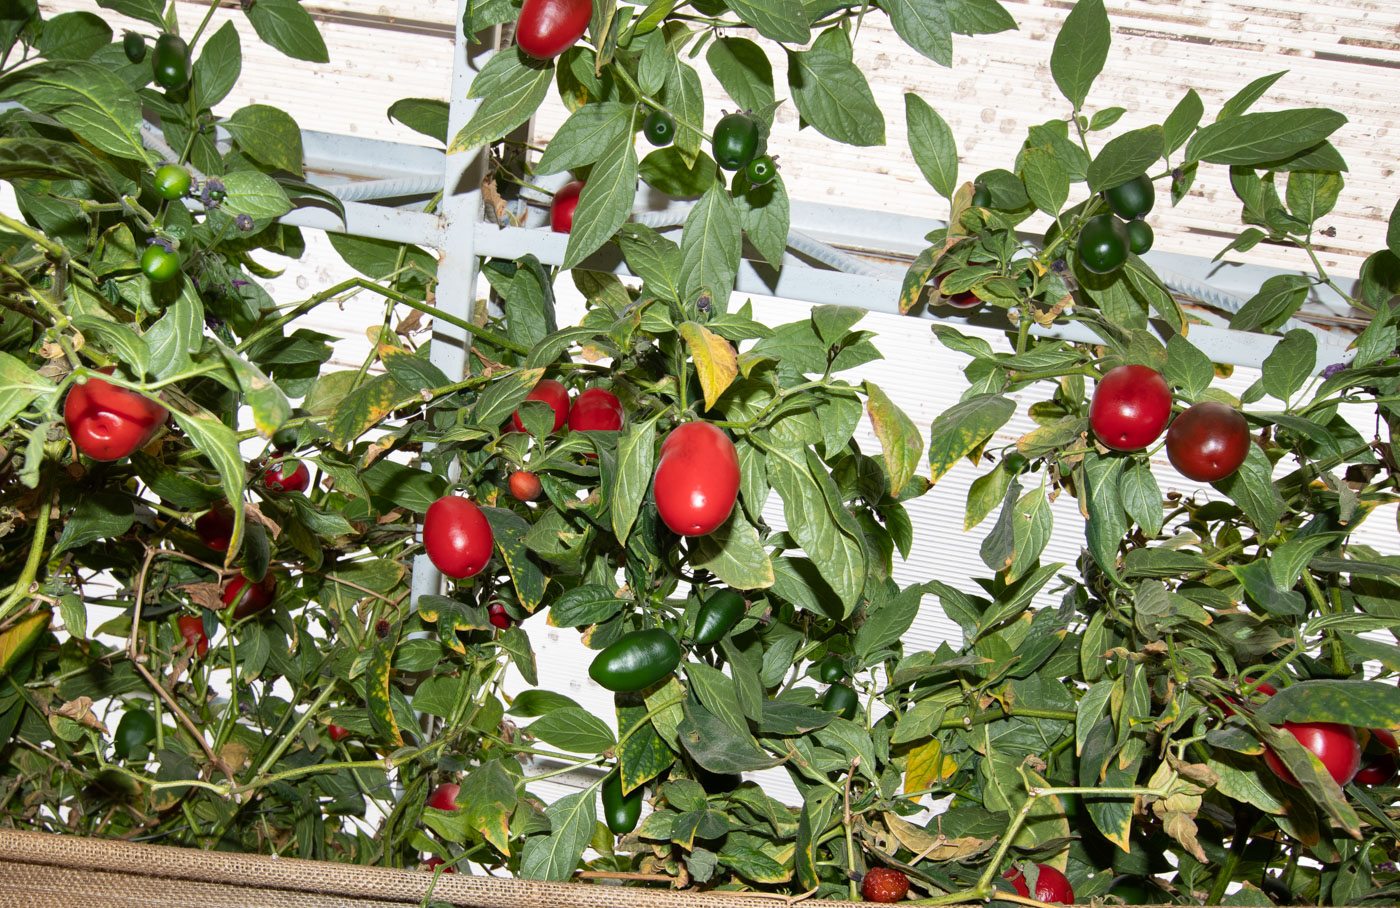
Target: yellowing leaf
{"type": "Point", "coordinates": [927, 766]}
{"type": "Point", "coordinates": [20, 638]}
{"type": "Point", "coordinates": [715, 360]}
{"type": "Point", "coordinates": [934, 847]}
{"type": "Point", "coordinates": [900, 443]}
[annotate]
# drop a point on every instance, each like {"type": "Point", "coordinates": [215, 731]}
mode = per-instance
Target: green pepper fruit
{"type": "Point", "coordinates": [170, 62]}
{"type": "Point", "coordinates": [981, 195]}
{"type": "Point", "coordinates": [1131, 199]}
{"type": "Point", "coordinates": [1139, 236]}
{"type": "Point", "coordinates": [1103, 244]}
{"type": "Point", "coordinates": [831, 669]}
{"type": "Point", "coordinates": [842, 700]}
{"type": "Point", "coordinates": [134, 46]}
{"type": "Point", "coordinates": [172, 181]}
{"type": "Point", "coordinates": [1136, 890]}
{"type": "Point", "coordinates": [135, 733]}
{"type": "Point", "coordinates": [761, 171]}
{"type": "Point", "coordinates": [621, 811]}
{"type": "Point", "coordinates": [736, 140]}
{"type": "Point", "coordinates": [636, 660]}
{"type": "Point", "coordinates": [659, 128]}
{"type": "Point", "coordinates": [717, 616]}
{"type": "Point", "coordinates": [160, 264]}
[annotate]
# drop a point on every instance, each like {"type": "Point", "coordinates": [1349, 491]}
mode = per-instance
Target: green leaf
{"type": "Point", "coordinates": [1031, 525]}
{"type": "Point", "coordinates": [779, 20]}
{"type": "Point", "coordinates": [255, 193]}
{"type": "Point", "coordinates": [743, 70]}
{"type": "Point", "coordinates": [586, 135]}
{"type": "Point", "coordinates": [1290, 364]}
{"type": "Point", "coordinates": [1257, 138]}
{"type": "Point", "coordinates": [1141, 496]}
{"type": "Point", "coordinates": [718, 747]}
{"type": "Point", "coordinates": [717, 693]}
{"type": "Point", "coordinates": [710, 246]}
{"type": "Point", "coordinates": [44, 159]}
{"type": "Point", "coordinates": [426, 116]}
{"type": "Point", "coordinates": [1126, 157]}
{"type": "Point", "coordinates": [555, 856]}
{"type": "Point", "coordinates": [1107, 523]}
{"type": "Point", "coordinates": [925, 25]}
{"type": "Point", "coordinates": [1252, 488]}
{"type": "Point", "coordinates": [1081, 49]}
{"type": "Point", "coordinates": [931, 140]}
{"type": "Point", "coordinates": [219, 443]}
{"type": "Point", "coordinates": [764, 214]}
{"type": "Point", "coordinates": [831, 92]}
{"type": "Point", "coordinates": [1182, 121]}
{"type": "Point", "coordinates": [653, 258]}
{"type": "Point", "coordinates": [73, 36]}
{"type": "Point", "coordinates": [362, 408]}
{"type": "Point", "coordinates": [888, 625]}
{"type": "Point", "coordinates": [1392, 232]}
{"type": "Point", "coordinates": [403, 485]}
{"type": "Point", "coordinates": [512, 86]}
{"type": "Point", "coordinates": [287, 26]}
{"type": "Point", "coordinates": [900, 443]}
{"type": "Point", "coordinates": [644, 754]}
{"type": "Point", "coordinates": [151, 11]}
{"type": "Point", "coordinates": [752, 864]}
{"type": "Point", "coordinates": [667, 170]}
{"type": "Point", "coordinates": [819, 521]}
{"type": "Point", "coordinates": [734, 553]}
{"type": "Point", "coordinates": [606, 201]}
{"type": "Point", "coordinates": [585, 605]}
{"type": "Point", "coordinates": [960, 429]}
{"type": "Point", "coordinates": [99, 515]}
{"type": "Point", "coordinates": [1278, 298]}
{"type": "Point", "coordinates": [1190, 370]}
{"type": "Point", "coordinates": [1245, 97]}
{"type": "Point", "coordinates": [575, 730]}
{"type": "Point", "coordinates": [19, 387]}
{"type": "Point", "coordinates": [268, 135]}
{"type": "Point", "coordinates": [1313, 193]}
{"type": "Point", "coordinates": [635, 456]}
{"type": "Point", "coordinates": [93, 102]}
{"type": "Point", "coordinates": [1046, 179]}
{"type": "Point", "coordinates": [500, 398]}
{"type": "Point", "coordinates": [216, 72]}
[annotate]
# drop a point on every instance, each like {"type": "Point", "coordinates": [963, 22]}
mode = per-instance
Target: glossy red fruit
{"type": "Point", "coordinates": [1208, 442]}
{"type": "Point", "coordinates": [258, 596]}
{"type": "Point", "coordinates": [966, 299]}
{"type": "Point", "coordinates": [553, 393]}
{"type": "Point", "coordinates": [215, 528]}
{"type": "Point", "coordinates": [1379, 770]}
{"type": "Point", "coordinates": [336, 732]}
{"type": "Point", "coordinates": [547, 28]}
{"type": "Point", "coordinates": [525, 486]}
{"type": "Point", "coordinates": [884, 884]}
{"type": "Point", "coordinates": [192, 632]}
{"type": "Point", "coordinates": [1130, 408]}
{"type": "Point", "coordinates": [1335, 745]}
{"type": "Point", "coordinates": [108, 422]}
{"type": "Point", "coordinates": [596, 410]}
{"type": "Point", "coordinates": [496, 614]}
{"type": "Point", "coordinates": [288, 476]}
{"type": "Point", "coordinates": [457, 536]}
{"type": "Point", "coordinates": [434, 863]}
{"type": "Point", "coordinates": [697, 478]}
{"type": "Point", "coordinates": [1262, 687]}
{"type": "Point", "coordinates": [561, 210]}
{"type": "Point", "coordinates": [444, 797]}
{"type": "Point", "coordinates": [1050, 886]}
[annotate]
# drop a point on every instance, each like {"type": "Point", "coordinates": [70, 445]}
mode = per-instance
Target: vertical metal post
{"type": "Point", "coordinates": [457, 271]}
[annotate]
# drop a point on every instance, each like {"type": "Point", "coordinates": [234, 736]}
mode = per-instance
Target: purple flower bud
{"type": "Point", "coordinates": [1333, 369]}
{"type": "Point", "coordinates": [244, 222]}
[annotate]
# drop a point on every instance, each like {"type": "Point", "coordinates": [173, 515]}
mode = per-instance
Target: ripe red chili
{"type": "Point", "coordinates": [215, 528]}
{"type": "Point", "coordinates": [965, 299]}
{"type": "Point", "coordinates": [288, 476]}
{"type": "Point", "coordinates": [336, 732]}
{"type": "Point", "coordinates": [108, 422]}
{"type": "Point", "coordinates": [457, 536]}
{"type": "Point", "coordinates": [884, 884]}
{"type": "Point", "coordinates": [444, 797]}
{"type": "Point", "coordinates": [1050, 886]}
{"type": "Point", "coordinates": [525, 486]}
{"type": "Point", "coordinates": [499, 618]}
{"type": "Point", "coordinates": [1335, 745]}
{"type": "Point", "coordinates": [561, 210]}
{"type": "Point", "coordinates": [258, 596]}
{"type": "Point", "coordinates": [596, 410]}
{"type": "Point", "coordinates": [697, 478]}
{"type": "Point", "coordinates": [1380, 764]}
{"type": "Point", "coordinates": [1208, 442]}
{"type": "Point", "coordinates": [553, 393]}
{"type": "Point", "coordinates": [192, 632]}
{"type": "Point", "coordinates": [547, 28]}
{"type": "Point", "coordinates": [1130, 407]}
{"type": "Point", "coordinates": [435, 863]}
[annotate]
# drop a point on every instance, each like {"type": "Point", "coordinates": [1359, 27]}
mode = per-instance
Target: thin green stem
{"type": "Point", "coordinates": [36, 550]}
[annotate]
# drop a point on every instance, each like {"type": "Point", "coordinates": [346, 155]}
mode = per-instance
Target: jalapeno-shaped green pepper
{"type": "Point", "coordinates": [831, 669]}
{"type": "Point", "coordinates": [636, 660]}
{"type": "Point", "coordinates": [170, 62]}
{"type": "Point", "coordinates": [841, 699]}
{"type": "Point", "coordinates": [621, 811]}
{"type": "Point", "coordinates": [717, 617]}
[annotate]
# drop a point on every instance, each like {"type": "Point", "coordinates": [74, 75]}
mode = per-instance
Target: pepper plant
{"type": "Point", "coordinates": [1204, 714]}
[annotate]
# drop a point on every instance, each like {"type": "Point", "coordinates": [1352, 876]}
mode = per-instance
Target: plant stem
{"type": "Point", "coordinates": [36, 550]}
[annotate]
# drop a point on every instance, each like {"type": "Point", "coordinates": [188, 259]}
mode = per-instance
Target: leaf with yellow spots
{"type": "Point", "coordinates": [715, 360]}
{"type": "Point", "coordinates": [21, 637]}
{"type": "Point", "coordinates": [451, 616]}
{"type": "Point", "coordinates": [931, 847]}
{"type": "Point", "coordinates": [964, 428]}
{"type": "Point", "coordinates": [899, 437]}
{"type": "Point", "coordinates": [916, 278]}
{"type": "Point", "coordinates": [927, 767]}
{"type": "Point", "coordinates": [381, 713]}
{"type": "Point", "coordinates": [363, 407]}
